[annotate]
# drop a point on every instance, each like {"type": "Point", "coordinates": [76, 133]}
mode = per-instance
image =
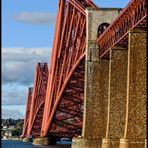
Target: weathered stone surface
{"type": "Point", "coordinates": [44, 141]}
{"type": "Point", "coordinates": [86, 143]}
{"type": "Point", "coordinates": [106, 143]}
{"type": "Point", "coordinates": [96, 103]}
{"type": "Point", "coordinates": [135, 129]}
{"type": "Point", "coordinates": [96, 17]}
{"type": "Point", "coordinates": [96, 82]}
{"type": "Point", "coordinates": [117, 95]}
{"type": "Point", "coordinates": [124, 143]}
{"type": "Point", "coordinates": [96, 76]}
{"type": "Point", "coordinates": [27, 139]}
{"type": "Point", "coordinates": [117, 108]}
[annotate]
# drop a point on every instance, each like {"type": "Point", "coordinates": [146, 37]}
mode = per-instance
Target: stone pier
{"type": "Point", "coordinates": [96, 82]}
{"type": "Point", "coordinates": [44, 141]}
{"type": "Point", "coordinates": [135, 125]}
{"type": "Point", "coordinates": [115, 89]}
{"type": "Point", "coordinates": [27, 139]}
{"type": "Point", "coordinates": [116, 97]}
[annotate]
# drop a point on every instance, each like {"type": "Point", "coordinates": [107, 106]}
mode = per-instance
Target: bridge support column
{"type": "Point", "coordinates": [86, 143]}
{"type": "Point", "coordinates": [135, 125]}
{"type": "Point", "coordinates": [124, 143]}
{"type": "Point", "coordinates": [116, 97]}
{"type": "Point", "coordinates": [44, 141]}
{"type": "Point", "coordinates": [27, 139]}
{"type": "Point", "coordinates": [96, 82]}
{"type": "Point", "coordinates": [95, 104]}
{"type": "Point", "coordinates": [106, 143]}
{"type": "Point", "coordinates": [21, 138]}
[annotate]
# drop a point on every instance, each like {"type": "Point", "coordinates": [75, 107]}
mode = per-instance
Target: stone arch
{"type": "Point", "coordinates": [102, 28]}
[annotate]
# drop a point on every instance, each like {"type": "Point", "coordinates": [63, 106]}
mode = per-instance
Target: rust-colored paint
{"type": "Point", "coordinates": [68, 52]}
{"type": "Point", "coordinates": [38, 99]}
{"type": "Point", "coordinates": [61, 97]}
{"type": "Point", "coordinates": [133, 15]}
{"type": "Point", "coordinates": [26, 119]}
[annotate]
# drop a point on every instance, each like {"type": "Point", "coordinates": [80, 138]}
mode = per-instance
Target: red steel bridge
{"type": "Point", "coordinates": [55, 106]}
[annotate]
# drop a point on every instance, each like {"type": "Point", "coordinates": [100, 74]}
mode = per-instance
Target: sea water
{"type": "Point", "coordinates": [20, 144]}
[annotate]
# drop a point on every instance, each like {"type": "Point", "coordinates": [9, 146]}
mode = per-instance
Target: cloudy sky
{"type": "Point", "coordinates": [27, 35]}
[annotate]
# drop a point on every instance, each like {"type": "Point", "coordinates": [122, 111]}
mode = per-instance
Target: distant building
{"type": "Point", "coordinates": [5, 127]}
{"type": "Point", "coordinates": [8, 133]}
{"type": "Point", "coordinates": [5, 137]}
{"type": "Point", "coordinates": [11, 127]}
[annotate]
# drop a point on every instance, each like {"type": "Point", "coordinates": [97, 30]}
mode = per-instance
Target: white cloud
{"type": "Point", "coordinates": [35, 17]}
{"type": "Point", "coordinates": [18, 64]}
{"type": "Point", "coordinates": [14, 114]}
{"type": "Point", "coordinates": [14, 96]}
{"type": "Point", "coordinates": [25, 54]}
{"type": "Point", "coordinates": [18, 69]}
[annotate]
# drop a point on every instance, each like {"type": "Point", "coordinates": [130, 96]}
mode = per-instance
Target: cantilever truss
{"type": "Point", "coordinates": [134, 15]}
{"type": "Point", "coordinates": [26, 120]}
{"type": "Point", "coordinates": [65, 90]}
{"type": "Point", "coordinates": [38, 100]}
{"type": "Point", "coordinates": [63, 101]}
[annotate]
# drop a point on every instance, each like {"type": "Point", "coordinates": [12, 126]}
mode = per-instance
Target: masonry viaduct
{"type": "Point", "coordinates": [95, 89]}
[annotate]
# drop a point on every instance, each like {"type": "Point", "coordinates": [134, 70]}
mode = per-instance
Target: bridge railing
{"type": "Point", "coordinates": [131, 16]}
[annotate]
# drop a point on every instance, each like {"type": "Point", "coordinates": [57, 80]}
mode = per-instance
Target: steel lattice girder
{"type": "Point", "coordinates": [67, 53]}
{"type": "Point", "coordinates": [38, 99]}
{"type": "Point", "coordinates": [26, 120]}
{"type": "Point", "coordinates": [134, 15]}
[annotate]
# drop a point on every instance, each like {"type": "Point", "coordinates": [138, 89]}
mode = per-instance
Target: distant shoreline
{"type": "Point", "coordinates": [12, 139]}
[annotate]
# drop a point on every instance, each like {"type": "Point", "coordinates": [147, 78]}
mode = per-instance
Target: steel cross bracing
{"type": "Point", "coordinates": [38, 100]}
{"type": "Point", "coordinates": [57, 106]}
{"type": "Point", "coordinates": [65, 89]}
{"type": "Point", "coordinates": [69, 110]}
{"type": "Point", "coordinates": [134, 15]}
{"type": "Point", "coordinates": [26, 120]}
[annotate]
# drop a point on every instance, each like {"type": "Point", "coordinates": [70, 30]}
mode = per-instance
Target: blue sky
{"type": "Point", "coordinates": [27, 36]}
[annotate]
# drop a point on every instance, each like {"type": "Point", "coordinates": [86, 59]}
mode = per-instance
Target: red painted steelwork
{"type": "Point", "coordinates": [26, 120]}
{"type": "Point", "coordinates": [65, 90]}
{"type": "Point", "coordinates": [38, 100]}
{"type": "Point", "coordinates": [69, 111]}
{"type": "Point", "coordinates": [134, 15]}
{"type": "Point", "coordinates": [58, 110]}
